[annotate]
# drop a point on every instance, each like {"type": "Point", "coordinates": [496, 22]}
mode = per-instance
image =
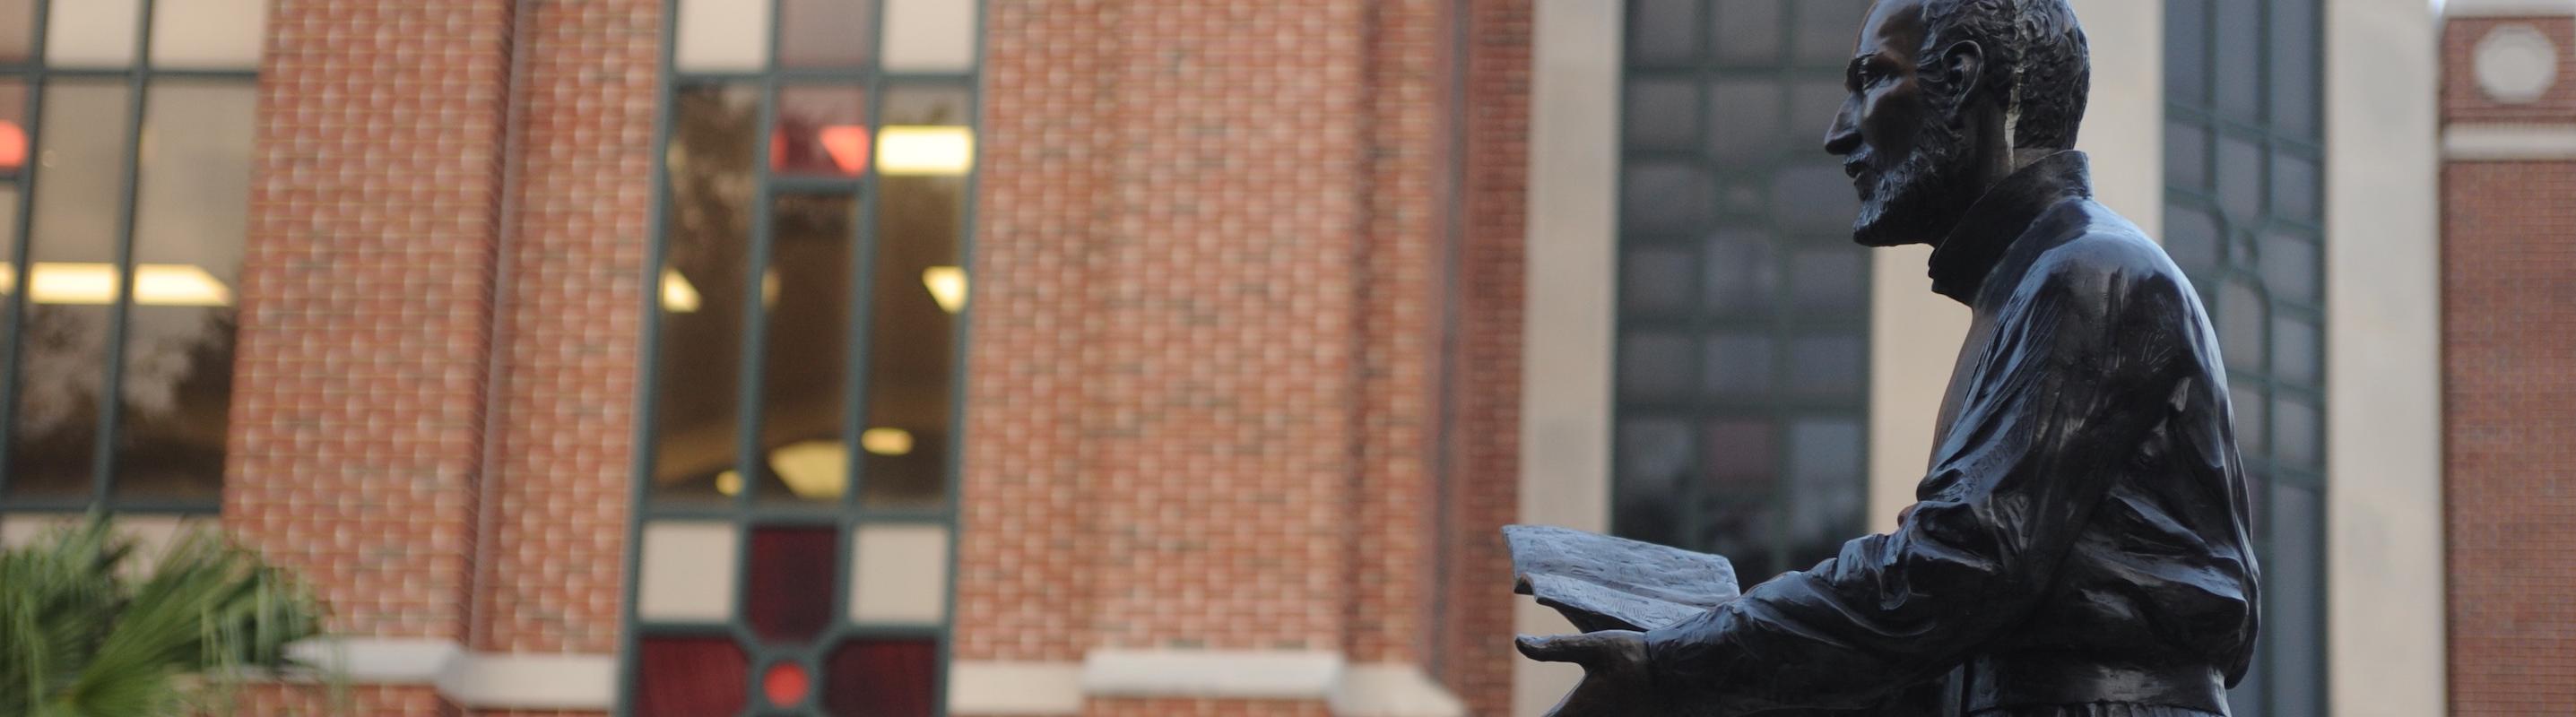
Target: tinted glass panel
{"type": "Point", "coordinates": [17, 30]}
{"type": "Point", "coordinates": [1742, 276]}
{"type": "Point", "coordinates": [192, 211]}
{"type": "Point", "coordinates": [919, 286]}
{"type": "Point", "coordinates": [92, 33]}
{"type": "Point", "coordinates": [705, 279]}
{"type": "Point", "coordinates": [689, 677]}
{"type": "Point", "coordinates": [1828, 492]}
{"type": "Point", "coordinates": [787, 591]}
{"type": "Point", "coordinates": [1739, 365]}
{"type": "Point", "coordinates": [1749, 31]}
{"type": "Point", "coordinates": [207, 34]}
{"type": "Point", "coordinates": [723, 35]}
{"type": "Point", "coordinates": [930, 35]}
{"type": "Point", "coordinates": [72, 287]}
{"type": "Point", "coordinates": [804, 398]}
{"type": "Point", "coordinates": [1663, 113]}
{"type": "Point", "coordinates": [881, 678]}
{"type": "Point", "coordinates": [1663, 32]}
{"type": "Point", "coordinates": [825, 33]}
{"type": "Point", "coordinates": [1655, 365]}
{"type": "Point", "coordinates": [1659, 279]}
{"type": "Point", "coordinates": [1828, 30]}
{"type": "Point", "coordinates": [822, 131]}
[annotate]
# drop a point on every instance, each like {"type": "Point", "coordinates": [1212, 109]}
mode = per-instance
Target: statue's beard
{"type": "Point", "coordinates": [1919, 199]}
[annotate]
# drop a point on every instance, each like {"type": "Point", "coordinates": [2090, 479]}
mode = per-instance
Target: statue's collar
{"type": "Point", "coordinates": [1960, 265]}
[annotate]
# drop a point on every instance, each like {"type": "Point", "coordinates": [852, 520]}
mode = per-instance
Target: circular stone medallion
{"type": "Point", "coordinates": [2516, 64]}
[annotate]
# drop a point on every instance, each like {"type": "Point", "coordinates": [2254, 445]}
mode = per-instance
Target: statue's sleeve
{"type": "Point", "coordinates": [2083, 365]}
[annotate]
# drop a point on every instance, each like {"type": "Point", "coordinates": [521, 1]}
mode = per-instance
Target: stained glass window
{"type": "Point", "coordinates": [809, 287]}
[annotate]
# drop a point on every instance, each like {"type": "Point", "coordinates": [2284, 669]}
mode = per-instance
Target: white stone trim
{"type": "Point", "coordinates": [2508, 8]}
{"type": "Point", "coordinates": [1234, 674]}
{"type": "Point", "coordinates": [1015, 688]}
{"type": "Point", "coordinates": [2502, 142]}
{"type": "Point", "coordinates": [473, 680]}
{"type": "Point", "coordinates": [531, 681]}
{"type": "Point", "coordinates": [2385, 633]}
{"type": "Point", "coordinates": [1571, 295]}
{"type": "Point", "coordinates": [1392, 690]}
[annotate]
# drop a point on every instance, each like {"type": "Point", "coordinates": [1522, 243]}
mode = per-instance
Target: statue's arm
{"type": "Point", "coordinates": [2077, 385]}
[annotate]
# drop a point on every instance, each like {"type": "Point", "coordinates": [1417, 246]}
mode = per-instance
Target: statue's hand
{"type": "Point", "coordinates": [1614, 673]}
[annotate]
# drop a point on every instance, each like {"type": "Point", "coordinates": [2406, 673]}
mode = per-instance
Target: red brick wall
{"type": "Point", "coordinates": [356, 701]}
{"type": "Point", "coordinates": [2463, 101]}
{"type": "Point", "coordinates": [567, 424]}
{"type": "Point", "coordinates": [2509, 342]}
{"type": "Point", "coordinates": [358, 399]}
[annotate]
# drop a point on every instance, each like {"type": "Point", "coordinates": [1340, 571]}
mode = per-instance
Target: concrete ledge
{"type": "Point", "coordinates": [1015, 688]}
{"type": "Point", "coordinates": [1392, 690]}
{"type": "Point", "coordinates": [1237, 674]}
{"type": "Point", "coordinates": [473, 680]}
{"type": "Point", "coordinates": [2500, 142]}
{"type": "Point", "coordinates": [2508, 8]}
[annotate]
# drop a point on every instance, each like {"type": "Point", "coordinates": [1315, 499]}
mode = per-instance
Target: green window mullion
{"type": "Point", "coordinates": [110, 404]}
{"type": "Point", "coordinates": [751, 460]}
{"type": "Point", "coordinates": [19, 266]}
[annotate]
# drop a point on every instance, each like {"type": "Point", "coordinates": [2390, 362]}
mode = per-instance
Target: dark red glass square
{"type": "Point", "coordinates": [690, 677]}
{"type": "Point", "coordinates": [882, 678]}
{"type": "Point", "coordinates": [791, 575]}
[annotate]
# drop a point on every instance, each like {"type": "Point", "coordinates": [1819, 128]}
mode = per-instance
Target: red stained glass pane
{"type": "Point", "coordinates": [786, 684]}
{"type": "Point", "coordinates": [690, 677]}
{"type": "Point", "coordinates": [790, 581]}
{"type": "Point", "coordinates": [822, 131]}
{"type": "Point", "coordinates": [878, 678]}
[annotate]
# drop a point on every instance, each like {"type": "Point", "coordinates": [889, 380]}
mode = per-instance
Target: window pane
{"type": "Point", "coordinates": [1827, 490]}
{"type": "Point", "coordinates": [13, 127]}
{"type": "Point", "coordinates": [1744, 119]}
{"type": "Point", "coordinates": [1738, 454]}
{"type": "Point", "coordinates": [1814, 200]}
{"type": "Point", "coordinates": [1739, 365]}
{"type": "Point", "coordinates": [826, 33]}
{"type": "Point", "coordinates": [2295, 58]}
{"type": "Point", "coordinates": [919, 287]}
{"type": "Point", "coordinates": [1832, 281]}
{"type": "Point", "coordinates": [822, 131]}
{"type": "Point", "coordinates": [17, 30]}
{"type": "Point", "coordinates": [1741, 274]}
{"type": "Point", "coordinates": [1812, 107]}
{"type": "Point", "coordinates": [1662, 114]}
{"type": "Point", "coordinates": [930, 35]}
{"type": "Point", "coordinates": [704, 280]}
{"type": "Point", "coordinates": [2253, 424]}
{"type": "Point", "coordinates": [191, 212]}
{"type": "Point", "coordinates": [803, 400]}
{"type": "Point", "coordinates": [1654, 366]}
{"type": "Point", "coordinates": [1667, 197]}
{"type": "Point", "coordinates": [2295, 187]}
{"type": "Point", "coordinates": [2186, 155]}
{"type": "Point", "coordinates": [899, 574]}
{"type": "Point", "coordinates": [2240, 179]}
{"type": "Point", "coordinates": [925, 133]}
{"type": "Point", "coordinates": [2297, 351]}
{"type": "Point", "coordinates": [64, 351]}
{"type": "Point", "coordinates": [2296, 435]}
{"type": "Point", "coordinates": [2291, 269]}
{"type": "Point", "coordinates": [1663, 32]}
{"type": "Point", "coordinates": [688, 572]}
{"type": "Point", "coordinates": [2187, 51]}
{"type": "Point", "coordinates": [1829, 30]}
{"type": "Point", "coordinates": [1827, 366]}
{"type": "Point", "coordinates": [213, 34]}
{"type": "Point", "coordinates": [690, 677]}
{"type": "Point", "coordinates": [92, 33]}
{"type": "Point", "coordinates": [2294, 584]}
{"type": "Point", "coordinates": [787, 590]}
{"type": "Point", "coordinates": [1748, 31]}
{"type": "Point", "coordinates": [882, 678]}
{"type": "Point", "coordinates": [1654, 464]}
{"type": "Point", "coordinates": [2192, 237]}
{"type": "Point", "coordinates": [723, 36]}
{"type": "Point", "coordinates": [1659, 279]}
{"type": "Point", "coordinates": [2241, 318]}
{"type": "Point", "coordinates": [2238, 56]}
{"type": "Point", "coordinates": [1740, 527]}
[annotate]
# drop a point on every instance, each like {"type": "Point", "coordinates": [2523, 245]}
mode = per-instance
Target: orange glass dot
{"type": "Point", "coordinates": [786, 684]}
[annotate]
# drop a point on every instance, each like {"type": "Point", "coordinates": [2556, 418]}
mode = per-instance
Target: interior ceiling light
{"type": "Point", "coordinates": [96, 284]}
{"type": "Point", "coordinates": [925, 151]}
{"type": "Point", "coordinates": [886, 441]}
{"type": "Point", "coordinates": [678, 296]}
{"type": "Point", "coordinates": [814, 470]}
{"type": "Point", "coordinates": [947, 285]}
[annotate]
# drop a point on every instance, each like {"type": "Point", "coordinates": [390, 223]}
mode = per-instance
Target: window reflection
{"type": "Point", "coordinates": [912, 339]}
{"type": "Point", "coordinates": [192, 211]}
{"type": "Point", "coordinates": [63, 346]}
{"type": "Point", "coordinates": [802, 398]}
{"type": "Point", "coordinates": [707, 226]}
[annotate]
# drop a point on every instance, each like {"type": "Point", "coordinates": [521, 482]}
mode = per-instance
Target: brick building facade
{"type": "Point", "coordinates": [571, 399]}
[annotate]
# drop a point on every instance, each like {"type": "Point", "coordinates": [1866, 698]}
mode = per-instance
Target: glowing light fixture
{"type": "Point", "coordinates": [908, 150]}
{"type": "Point", "coordinates": [729, 483]}
{"type": "Point", "coordinates": [947, 285]}
{"type": "Point", "coordinates": [886, 441]}
{"type": "Point", "coordinates": [812, 469]}
{"type": "Point", "coordinates": [678, 296]}
{"type": "Point", "coordinates": [13, 146]}
{"type": "Point", "coordinates": [848, 146]}
{"type": "Point", "coordinates": [96, 284]}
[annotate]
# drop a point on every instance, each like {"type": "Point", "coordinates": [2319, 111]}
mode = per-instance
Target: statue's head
{"type": "Point", "coordinates": [1946, 97]}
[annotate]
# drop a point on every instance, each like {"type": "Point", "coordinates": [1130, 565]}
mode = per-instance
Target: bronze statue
{"type": "Point", "coordinates": [2080, 544]}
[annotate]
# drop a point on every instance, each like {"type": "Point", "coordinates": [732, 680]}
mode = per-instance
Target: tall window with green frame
{"type": "Point", "coordinates": [2244, 164]}
{"type": "Point", "coordinates": [125, 170]}
{"type": "Point", "coordinates": [798, 465]}
{"type": "Point", "coordinates": [1743, 303]}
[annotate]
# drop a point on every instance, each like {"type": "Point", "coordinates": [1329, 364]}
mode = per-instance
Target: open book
{"type": "Point", "coordinates": [1604, 583]}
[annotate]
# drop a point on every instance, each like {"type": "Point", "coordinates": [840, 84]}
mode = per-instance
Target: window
{"type": "Point", "coordinates": [125, 171]}
{"type": "Point", "coordinates": [807, 301]}
{"type": "Point", "coordinates": [2243, 188]}
{"type": "Point", "coordinates": [1743, 303]}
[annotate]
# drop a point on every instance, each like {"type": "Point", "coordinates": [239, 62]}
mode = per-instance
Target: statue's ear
{"type": "Point", "coordinates": [1965, 63]}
